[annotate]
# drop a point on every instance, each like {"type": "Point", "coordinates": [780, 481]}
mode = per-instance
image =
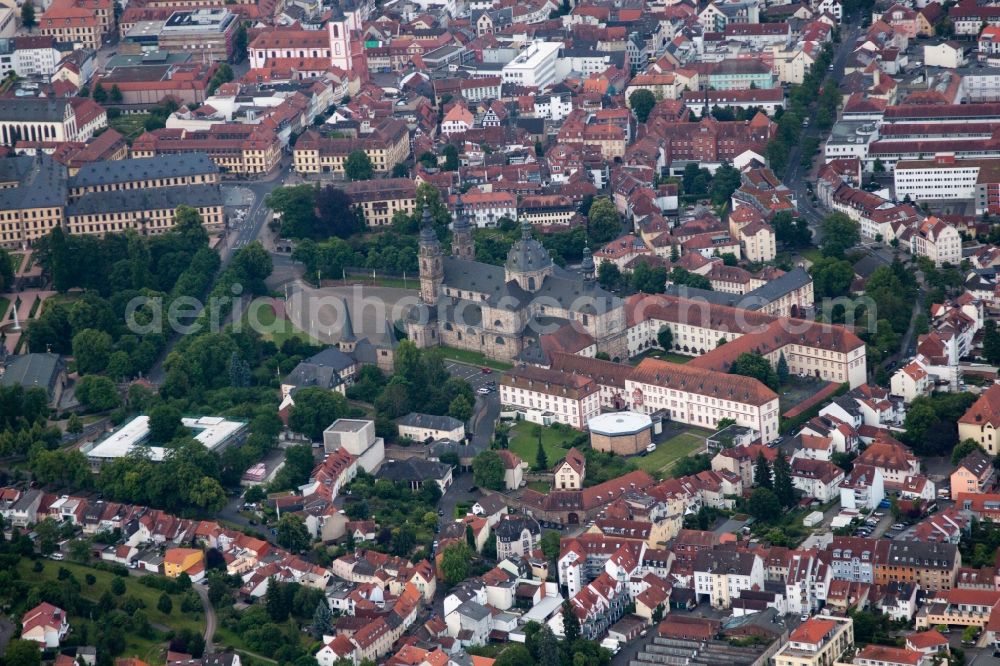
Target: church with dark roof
{"type": "Point", "coordinates": [518, 312]}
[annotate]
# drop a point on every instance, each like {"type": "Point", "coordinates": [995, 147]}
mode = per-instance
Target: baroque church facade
{"type": "Point", "coordinates": [514, 312]}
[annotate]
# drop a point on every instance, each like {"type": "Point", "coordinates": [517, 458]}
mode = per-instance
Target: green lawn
{"type": "Point", "coordinates": [660, 354]}
{"type": "Point", "coordinates": [17, 258]}
{"type": "Point", "coordinates": [130, 125]}
{"type": "Point", "coordinates": [473, 358]}
{"type": "Point", "coordinates": [812, 254]}
{"type": "Point", "coordinates": [666, 455]}
{"type": "Point", "coordinates": [524, 443]}
{"type": "Point", "coordinates": [264, 314]}
{"type": "Point", "coordinates": [150, 650]}
{"type": "Point", "coordinates": [540, 486]}
{"type": "Point", "coordinates": [3, 309]}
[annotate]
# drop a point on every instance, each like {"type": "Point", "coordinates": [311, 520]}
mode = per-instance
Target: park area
{"type": "Point", "coordinates": [274, 329]}
{"type": "Point", "coordinates": [99, 587]}
{"type": "Point", "coordinates": [555, 442]}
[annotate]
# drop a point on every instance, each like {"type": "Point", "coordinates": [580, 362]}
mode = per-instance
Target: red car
{"type": "Point", "coordinates": [487, 371]}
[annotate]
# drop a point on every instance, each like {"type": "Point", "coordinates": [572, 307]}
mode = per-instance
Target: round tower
{"type": "Point", "coordinates": [431, 261]}
{"type": "Point", "coordinates": [462, 245]}
{"type": "Point", "coordinates": [528, 262]}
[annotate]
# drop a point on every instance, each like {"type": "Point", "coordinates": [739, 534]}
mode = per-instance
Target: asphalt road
{"type": "Point", "coordinates": [796, 176]}
{"type": "Point", "coordinates": [210, 620]}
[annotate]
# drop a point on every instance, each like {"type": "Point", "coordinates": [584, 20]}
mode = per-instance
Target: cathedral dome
{"type": "Point", "coordinates": [527, 255]}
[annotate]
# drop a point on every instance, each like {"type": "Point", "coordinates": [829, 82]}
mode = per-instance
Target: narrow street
{"type": "Point", "coordinates": [796, 177]}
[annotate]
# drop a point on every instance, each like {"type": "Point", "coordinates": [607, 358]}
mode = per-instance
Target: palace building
{"type": "Point", "coordinates": [504, 311]}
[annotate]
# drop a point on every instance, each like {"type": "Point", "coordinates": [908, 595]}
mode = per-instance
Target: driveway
{"type": "Point", "coordinates": [206, 603]}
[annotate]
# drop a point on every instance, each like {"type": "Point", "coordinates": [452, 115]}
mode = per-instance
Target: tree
{"type": "Point", "coordinates": [6, 271]}
{"type": "Point", "coordinates": [792, 232]}
{"type": "Point", "coordinates": [292, 533]}
{"type": "Point", "coordinates": [642, 102]}
{"type": "Point", "coordinates": [488, 470]}
{"type": "Point", "coordinates": [840, 233]}
{"type": "Point", "coordinates": [514, 654]}
{"type": "Point", "coordinates": [322, 623]}
{"type": "Point", "coordinates": [991, 342]}
{"type": "Point", "coordinates": [100, 94]}
{"type": "Point", "coordinates": [550, 544]}
{"type": "Point", "coordinates": [358, 166]}
{"type": "Point", "coordinates": [116, 96]}
{"type": "Point", "coordinates": [609, 275]}
{"type": "Point", "coordinates": [571, 624]}
{"type": "Point", "coordinates": [91, 349]}
{"type": "Point", "coordinates": [97, 393]}
{"type": "Point", "coordinates": [541, 459]}
{"type": "Point", "coordinates": [21, 652]}
{"type": "Point", "coordinates": [315, 409]}
{"type": "Point", "coordinates": [337, 215]}
{"type": "Point", "coordinates": [240, 43]}
{"type": "Point", "coordinates": [762, 472]}
{"type": "Point", "coordinates": [665, 338]}
{"type": "Point", "coordinates": [75, 424]}
{"type": "Point", "coordinates": [164, 423]}
{"type": "Point", "coordinates": [604, 221]}
{"type": "Point", "coordinates": [764, 505]}
{"type": "Point", "coordinates": [782, 369]}
{"type": "Point", "coordinates": [276, 601]}
{"type": "Point", "coordinates": [117, 586]}
{"type": "Point", "coordinates": [725, 181]}
{"type": "Point", "coordinates": [455, 563]}
{"type": "Point", "coordinates": [450, 153]}
{"type": "Point", "coordinates": [783, 488]}
{"type": "Point", "coordinates": [460, 408]}
{"type": "Point", "coordinates": [165, 604]}
{"type": "Point", "coordinates": [28, 19]}
{"type": "Point", "coordinates": [964, 448]}
{"type": "Point", "coordinates": [648, 279]}
{"type": "Point", "coordinates": [751, 364]}
{"type": "Point", "coordinates": [831, 277]}
{"type": "Point", "coordinates": [658, 614]}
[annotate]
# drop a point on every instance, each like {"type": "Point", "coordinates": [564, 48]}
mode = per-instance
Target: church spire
{"type": "Point", "coordinates": [462, 245]}
{"type": "Point", "coordinates": [431, 261]}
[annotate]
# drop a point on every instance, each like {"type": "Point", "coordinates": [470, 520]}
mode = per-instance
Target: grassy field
{"type": "Point", "coordinates": [151, 651]}
{"type": "Point", "coordinates": [17, 259]}
{"type": "Point", "coordinates": [473, 358]}
{"type": "Point", "coordinates": [4, 303]}
{"type": "Point", "coordinates": [540, 486]}
{"type": "Point", "coordinates": [666, 455]}
{"type": "Point", "coordinates": [130, 125]}
{"type": "Point", "coordinates": [660, 354]}
{"type": "Point", "coordinates": [812, 254]}
{"type": "Point", "coordinates": [274, 330]}
{"type": "Point", "coordinates": [524, 443]}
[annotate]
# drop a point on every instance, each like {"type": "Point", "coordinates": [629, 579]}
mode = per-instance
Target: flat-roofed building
{"type": "Point", "coordinates": [214, 432]}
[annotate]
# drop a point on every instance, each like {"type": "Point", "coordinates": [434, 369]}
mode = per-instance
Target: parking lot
{"type": "Point", "coordinates": [475, 376]}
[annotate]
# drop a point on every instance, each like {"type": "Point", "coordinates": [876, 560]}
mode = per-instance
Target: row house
{"type": "Point", "coordinates": [720, 575]}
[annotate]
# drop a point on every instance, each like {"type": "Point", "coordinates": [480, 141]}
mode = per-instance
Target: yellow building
{"type": "Point", "coordinates": [181, 560]}
{"type": "Point", "coordinates": [380, 200]}
{"type": "Point", "coordinates": [819, 641]}
{"type": "Point", "coordinates": [981, 423]}
{"type": "Point", "coordinates": [386, 147]}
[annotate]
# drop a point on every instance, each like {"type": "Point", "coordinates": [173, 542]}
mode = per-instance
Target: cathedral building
{"type": "Point", "coordinates": [520, 311]}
